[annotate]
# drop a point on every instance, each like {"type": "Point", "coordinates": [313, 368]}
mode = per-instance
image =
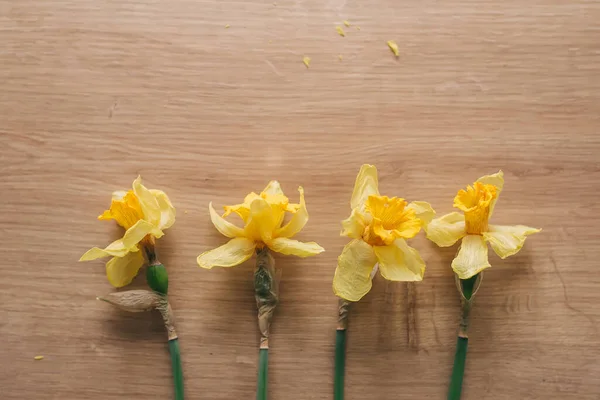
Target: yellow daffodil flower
{"type": "Point", "coordinates": [144, 214]}
{"type": "Point", "coordinates": [263, 216]}
{"type": "Point", "coordinates": [477, 203]}
{"type": "Point", "coordinates": [378, 226]}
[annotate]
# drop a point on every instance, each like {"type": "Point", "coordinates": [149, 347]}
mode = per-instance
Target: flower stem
{"type": "Point", "coordinates": [458, 370]}
{"type": "Point", "coordinates": [263, 374]}
{"type": "Point", "coordinates": [467, 288]}
{"type": "Point", "coordinates": [340, 364]}
{"type": "Point", "coordinates": [176, 366]}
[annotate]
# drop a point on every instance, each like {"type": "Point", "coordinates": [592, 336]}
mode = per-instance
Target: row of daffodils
{"type": "Point", "coordinates": [378, 228]}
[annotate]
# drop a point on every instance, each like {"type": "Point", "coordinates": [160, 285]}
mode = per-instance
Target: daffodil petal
{"type": "Point", "coordinates": [472, 257]}
{"type": "Point", "coordinates": [273, 188]}
{"type": "Point", "coordinates": [423, 211]}
{"type": "Point", "coordinates": [366, 184]}
{"type": "Point", "coordinates": [225, 227]}
{"type": "Point", "coordinates": [167, 211]}
{"type": "Point", "coordinates": [232, 253]}
{"type": "Point", "coordinates": [262, 221]}
{"type": "Point", "coordinates": [400, 262]}
{"type": "Point", "coordinates": [354, 226]}
{"type": "Point", "coordinates": [352, 278]}
{"type": "Point", "coordinates": [508, 240]}
{"type": "Point", "coordinates": [447, 230]}
{"type": "Point", "coordinates": [148, 202]}
{"type": "Point", "coordinates": [298, 220]}
{"type": "Point", "coordinates": [497, 180]}
{"type": "Point", "coordinates": [294, 247]}
{"type": "Point", "coordinates": [120, 271]}
{"type": "Point", "coordinates": [115, 249]}
{"type": "Point", "coordinates": [137, 232]}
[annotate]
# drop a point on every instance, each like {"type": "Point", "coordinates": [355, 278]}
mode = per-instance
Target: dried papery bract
{"type": "Point", "coordinates": [266, 292]}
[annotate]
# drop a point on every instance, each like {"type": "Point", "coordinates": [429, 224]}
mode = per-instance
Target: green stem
{"type": "Point", "coordinates": [263, 374]}
{"type": "Point", "coordinates": [340, 364]}
{"type": "Point", "coordinates": [176, 366]}
{"type": "Point", "coordinates": [458, 370]}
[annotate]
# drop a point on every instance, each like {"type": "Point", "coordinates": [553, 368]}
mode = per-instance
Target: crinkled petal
{"type": "Point", "coordinates": [167, 211]}
{"type": "Point", "coordinates": [352, 278]}
{"type": "Point", "coordinates": [354, 226]}
{"type": "Point", "coordinates": [118, 195]}
{"type": "Point", "coordinates": [121, 247]}
{"type": "Point", "coordinates": [298, 220]}
{"type": "Point", "coordinates": [447, 230]}
{"type": "Point", "coordinates": [497, 180]}
{"type": "Point", "coordinates": [294, 247]}
{"type": "Point", "coordinates": [138, 231]}
{"type": "Point", "coordinates": [423, 211]}
{"type": "Point", "coordinates": [225, 227]}
{"type": "Point", "coordinates": [400, 262]}
{"type": "Point", "coordinates": [232, 253]}
{"type": "Point", "coordinates": [472, 257]}
{"type": "Point", "coordinates": [508, 240]}
{"type": "Point", "coordinates": [148, 202]}
{"type": "Point", "coordinates": [273, 188]}
{"type": "Point", "coordinates": [120, 271]}
{"type": "Point", "coordinates": [243, 210]}
{"type": "Point", "coordinates": [262, 221]}
{"type": "Point", "coordinates": [366, 184]}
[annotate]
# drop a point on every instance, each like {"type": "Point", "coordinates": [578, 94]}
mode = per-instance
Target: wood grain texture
{"type": "Point", "coordinates": [94, 92]}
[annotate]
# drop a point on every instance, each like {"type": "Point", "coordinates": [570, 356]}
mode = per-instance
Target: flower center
{"type": "Point", "coordinates": [475, 203]}
{"type": "Point", "coordinates": [391, 220]}
{"type": "Point", "coordinates": [126, 210]}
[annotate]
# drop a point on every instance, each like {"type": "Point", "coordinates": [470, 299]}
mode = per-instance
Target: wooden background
{"type": "Point", "coordinates": [94, 92]}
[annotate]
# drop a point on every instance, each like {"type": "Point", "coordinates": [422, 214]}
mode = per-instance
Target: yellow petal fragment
{"type": "Point", "coordinates": [227, 26]}
{"type": "Point", "coordinates": [306, 61]}
{"type": "Point", "coordinates": [347, 23]}
{"type": "Point", "coordinates": [225, 227]}
{"type": "Point", "coordinates": [393, 47]}
{"type": "Point", "coordinates": [508, 240]}
{"type": "Point", "coordinates": [340, 57]}
{"type": "Point", "coordinates": [352, 278]}
{"type": "Point", "coordinates": [423, 211]}
{"type": "Point", "coordinates": [298, 220]}
{"type": "Point", "coordinates": [38, 358]}
{"type": "Point", "coordinates": [447, 230]}
{"type": "Point", "coordinates": [358, 28]}
{"type": "Point", "coordinates": [496, 180]}
{"type": "Point", "coordinates": [366, 184]}
{"type": "Point", "coordinates": [340, 31]}
{"type": "Point", "coordinates": [148, 202]}
{"type": "Point", "coordinates": [400, 262]}
{"type": "Point", "coordinates": [232, 253]}
{"type": "Point", "coordinates": [262, 221]}
{"type": "Point", "coordinates": [120, 271]}
{"type": "Point", "coordinates": [472, 257]}
{"type": "Point", "coordinates": [354, 226]}
{"type": "Point", "coordinates": [167, 211]}
{"type": "Point", "coordinates": [295, 248]}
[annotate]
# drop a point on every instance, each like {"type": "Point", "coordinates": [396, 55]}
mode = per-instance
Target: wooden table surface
{"type": "Point", "coordinates": [93, 93]}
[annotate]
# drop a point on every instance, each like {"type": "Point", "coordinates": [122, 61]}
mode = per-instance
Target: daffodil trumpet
{"type": "Point", "coordinates": [472, 228]}
{"type": "Point", "coordinates": [379, 227]}
{"type": "Point", "coordinates": [264, 231]}
{"type": "Point", "coordinates": [144, 214]}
